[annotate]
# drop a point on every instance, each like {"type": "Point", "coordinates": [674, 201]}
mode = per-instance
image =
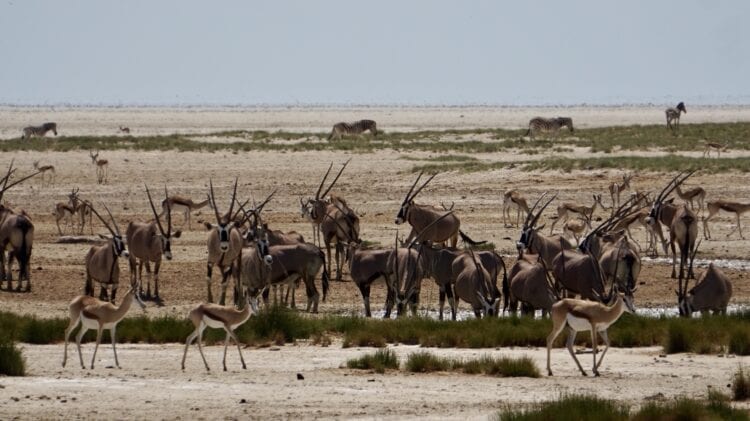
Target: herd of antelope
{"type": "Point", "coordinates": [601, 268]}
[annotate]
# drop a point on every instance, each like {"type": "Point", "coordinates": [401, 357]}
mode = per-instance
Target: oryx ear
{"type": "Point", "coordinates": [177, 234]}
{"type": "Point", "coordinates": [208, 225]}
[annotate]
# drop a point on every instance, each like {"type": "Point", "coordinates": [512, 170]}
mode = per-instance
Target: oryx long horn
{"type": "Point", "coordinates": [169, 212]}
{"type": "Point", "coordinates": [234, 196]}
{"type": "Point", "coordinates": [117, 229]}
{"type": "Point", "coordinates": [106, 225]}
{"type": "Point", "coordinates": [536, 218]}
{"type": "Point", "coordinates": [411, 189]}
{"type": "Point", "coordinates": [7, 186]}
{"type": "Point", "coordinates": [153, 208]}
{"type": "Point", "coordinates": [422, 187]}
{"type": "Point", "coordinates": [320, 187]}
{"type": "Point", "coordinates": [530, 215]}
{"type": "Point", "coordinates": [213, 200]}
{"type": "Point", "coordinates": [337, 177]}
{"type": "Point", "coordinates": [259, 208]}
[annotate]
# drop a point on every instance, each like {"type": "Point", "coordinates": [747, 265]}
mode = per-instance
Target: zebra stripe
{"type": "Point", "coordinates": [40, 131]}
{"type": "Point", "coordinates": [673, 115]}
{"type": "Point", "coordinates": [553, 125]}
{"type": "Point", "coordinates": [355, 128]}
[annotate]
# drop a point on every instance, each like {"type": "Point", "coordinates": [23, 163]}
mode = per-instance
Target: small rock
{"type": "Point", "coordinates": [243, 400]}
{"type": "Point", "coordinates": [662, 355]}
{"type": "Point", "coordinates": [370, 380]}
{"type": "Point", "coordinates": [300, 376]}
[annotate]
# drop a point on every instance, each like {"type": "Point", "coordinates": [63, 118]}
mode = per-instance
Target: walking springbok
{"type": "Point", "coordinates": [683, 226]}
{"type": "Point", "coordinates": [148, 242]}
{"type": "Point", "coordinates": [712, 292]}
{"type": "Point", "coordinates": [16, 236]}
{"type": "Point", "coordinates": [514, 199]}
{"type": "Point", "coordinates": [100, 315]}
{"type": "Point", "coordinates": [420, 217]}
{"type": "Point", "coordinates": [532, 241]}
{"type": "Point", "coordinates": [528, 282]}
{"type": "Point", "coordinates": [584, 315]}
{"type": "Point", "coordinates": [715, 206]}
{"type": "Point", "coordinates": [355, 128]}
{"type": "Point", "coordinates": [615, 189]}
{"type": "Point", "coordinates": [39, 131]}
{"type": "Point", "coordinates": [673, 115]}
{"type": "Point", "coordinates": [315, 209]}
{"type": "Point", "coordinates": [719, 147]}
{"type": "Point", "coordinates": [216, 316]}
{"type": "Point", "coordinates": [692, 195]}
{"type": "Point", "coordinates": [566, 208]}
{"type": "Point", "coordinates": [102, 261]}
{"type": "Point", "coordinates": [44, 169]}
{"type": "Point", "coordinates": [125, 130]}
{"type": "Point", "coordinates": [102, 167]}
{"type": "Point", "coordinates": [224, 244]}
{"type": "Point", "coordinates": [67, 211]}
{"type": "Point", "coordinates": [182, 204]}
{"type": "Point", "coordinates": [539, 124]}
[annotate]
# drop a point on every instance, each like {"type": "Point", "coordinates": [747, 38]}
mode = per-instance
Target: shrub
{"type": "Point", "coordinates": [501, 367]}
{"type": "Point", "coordinates": [569, 407]}
{"type": "Point", "coordinates": [378, 361]}
{"type": "Point", "coordinates": [12, 362]}
{"type": "Point", "coordinates": [741, 385]}
{"type": "Point", "coordinates": [739, 341]}
{"type": "Point", "coordinates": [426, 362]}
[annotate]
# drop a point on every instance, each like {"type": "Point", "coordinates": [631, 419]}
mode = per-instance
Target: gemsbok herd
{"type": "Point", "coordinates": [582, 278]}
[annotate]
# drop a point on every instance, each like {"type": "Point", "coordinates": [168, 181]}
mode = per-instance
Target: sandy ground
{"type": "Point", "coordinates": [374, 184]}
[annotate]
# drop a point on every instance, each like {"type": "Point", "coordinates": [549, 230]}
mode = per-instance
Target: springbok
{"type": "Point", "coordinates": [584, 315]}
{"type": "Point", "coordinates": [102, 261]}
{"type": "Point", "coordinates": [528, 282]}
{"type": "Point", "coordinates": [422, 216]}
{"type": "Point", "coordinates": [16, 236]}
{"type": "Point", "coordinates": [712, 292]}
{"type": "Point", "coordinates": [691, 195]}
{"type": "Point", "coordinates": [100, 315]}
{"type": "Point", "coordinates": [182, 204]}
{"type": "Point", "coordinates": [575, 228]}
{"type": "Point", "coordinates": [536, 243]}
{"type": "Point", "coordinates": [683, 227]}
{"type": "Point", "coordinates": [673, 115]}
{"type": "Point", "coordinates": [102, 167]}
{"type": "Point", "coordinates": [67, 211]}
{"type": "Point", "coordinates": [566, 208]}
{"type": "Point", "coordinates": [125, 130]}
{"type": "Point", "coordinates": [315, 209]}
{"type": "Point", "coordinates": [514, 199]}
{"type": "Point", "coordinates": [148, 242]}
{"type": "Point", "coordinates": [720, 147]}
{"type": "Point", "coordinates": [224, 244]}
{"type": "Point", "coordinates": [732, 207]}
{"type": "Point", "coordinates": [615, 189]}
{"type": "Point", "coordinates": [44, 169]}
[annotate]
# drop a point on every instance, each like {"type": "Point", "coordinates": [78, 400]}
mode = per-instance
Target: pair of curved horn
{"type": "Point", "coordinates": [116, 230]}
{"type": "Point", "coordinates": [213, 199]}
{"type": "Point", "coordinates": [409, 195]}
{"type": "Point", "coordinates": [168, 233]}
{"type": "Point", "coordinates": [676, 181]}
{"type": "Point", "coordinates": [320, 187]}
{"type": "Point", "coordinates": [532, 219]}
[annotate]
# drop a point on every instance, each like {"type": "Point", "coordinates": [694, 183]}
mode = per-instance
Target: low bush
{"type": "Point", "coordinates": [569, 407]}
{"type": "Point", "coordinates": [12, 362]}
{"type": "Point", "coordinates": [379, 361]}
{"type": "Point", "coordinates": [427, 362]}
{"type": "Point", "coordinates": [741, 384]}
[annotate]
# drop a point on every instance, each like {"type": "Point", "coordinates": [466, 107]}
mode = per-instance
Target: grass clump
{"type": "Point", "coordinates": [501, 367]}
{"type": "Point", "coordinates": [741, 384]}
{"type": "Point", "coordinates": [12, 362]}
{"type": "Point", "coordinates": [379, 361]}
{"type": "Point", "coordinates": [568, 407]}
{"type": "Point", "coordinates": [427, 362]}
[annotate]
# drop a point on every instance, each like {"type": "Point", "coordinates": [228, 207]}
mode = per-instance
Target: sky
{"type": "Point", "coordinates": [402, 52]}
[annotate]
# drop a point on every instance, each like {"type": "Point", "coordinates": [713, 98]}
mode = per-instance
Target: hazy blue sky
{"type": "Point", "coordinates": [375, 52]}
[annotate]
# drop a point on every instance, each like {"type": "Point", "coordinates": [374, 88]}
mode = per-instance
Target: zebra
{"type": "Point", "coordinates": [40, 131]}
{"type": "Point", "coordinates": [673, 115]}
{"type": "Point", "coordinates": [357, 127]}
{"type": "Point", "coordinates": [548, 125]}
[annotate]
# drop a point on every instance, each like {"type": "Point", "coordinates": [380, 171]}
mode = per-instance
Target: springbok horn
{"type": "Point", "coordinates": [320, 187]}
{"type": "Point", "coordinates": [213, 201]}
{"type": "Point", "coordinates": [153, 208]}
{"type": "Point", "coordinates": [337, 177]}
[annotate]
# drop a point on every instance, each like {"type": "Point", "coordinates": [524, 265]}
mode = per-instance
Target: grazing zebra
{"type": "Point", "coordinates": [553, 125]}
{"type": "Point", "coordinates": [358, 127]}
{"type": "Point", "coordinates": [40, 131]}
{"type": "Point", "coordinates": [673, 115]}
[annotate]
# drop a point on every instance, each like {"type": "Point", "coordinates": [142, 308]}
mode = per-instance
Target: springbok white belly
{"type": "Point", "coordinates": [213, 323]}
{"type": "Point", "coordinates": [89, 323]}
{"type": "Point", "coordinates": [580, 324]}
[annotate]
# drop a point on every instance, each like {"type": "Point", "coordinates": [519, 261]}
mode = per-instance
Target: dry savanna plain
{"type": "Point", "coordinates": [478, 153]}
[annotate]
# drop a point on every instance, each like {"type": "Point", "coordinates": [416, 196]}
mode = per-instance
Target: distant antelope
{"type": "Point", "coordinates": [715, 206]}
{"type": "Point", "coordinates": [720, 147]}
{"type": "Point", "coordinates": [67, 210]}
{"type": "Point", "coordinates": [125, 130]}
{"type": "Point", "coordinates": [691, 195]}
{"type": "Point", "coordinates": [100, 315]}
{"type": "Point", "coordinates": [355, 128]}
{"type": "Point", "coordinates": [39, 131]}
{"type": "Point", "coordinates": [16, 236]}
{"type": "Point", "coordinates": [566, 208]}
{"type": "Point", "coordinates": [44, 169]}
{"type": "Point", "coordinates": [182, 204]}
{"type": "Point", "coordinates": [576, 227]}
{"type": "Point", "coordinates": [615, 189]}
{"type": "Point", "coordinates": [102, 261]}
{"type": "Point", "coordinates": [539, 124]}
{"type": "Point", "coordinates": [673, 115]}
{"type": "Point", "coordinates": [514, 199]}
{"type": "Point", "coordinates": [315, 209]}
{"type": "Point", "coordinates": [102, 166]}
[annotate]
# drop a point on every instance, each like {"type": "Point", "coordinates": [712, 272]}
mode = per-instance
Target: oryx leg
{"type": "Point", "coordinates": [157, 265]}
{"type": "Point", "coordinates": [365, 290]}
{"type": "Point", "coordinates": [674, 259]}
{"type": "Point", "coordinates": [390, 298]}
{"type": "Point", "coordinates": [225, 273]}
{"type": "Point", "coordinates": [312, 294]}
{"type": "Point", "coordinates": [441, 301]}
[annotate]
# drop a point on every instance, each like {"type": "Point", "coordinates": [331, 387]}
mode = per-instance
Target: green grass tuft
{"type": "Point", "coordinates": [427, 362]}
{"type": "Point", "coordinates": [12, 362]}
{"type": "Point", "coordinates": [741, 384]}
{"type": "Point", "coordinates": [569, 407]}
{"type": "Point", "coordinates": [379, 361]}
